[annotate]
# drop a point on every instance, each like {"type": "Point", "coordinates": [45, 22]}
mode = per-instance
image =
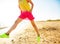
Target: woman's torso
{"type": "Point", "coordinates": [24, 5]}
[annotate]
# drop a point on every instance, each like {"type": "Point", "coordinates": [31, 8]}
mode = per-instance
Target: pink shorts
{"type": "Point", "coordinates": [26, 14]}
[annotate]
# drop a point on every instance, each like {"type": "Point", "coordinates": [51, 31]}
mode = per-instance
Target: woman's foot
{"type": "Point", "coordinates": [38, 38]}
{"type": "Point", "coordinates": [4, 35]}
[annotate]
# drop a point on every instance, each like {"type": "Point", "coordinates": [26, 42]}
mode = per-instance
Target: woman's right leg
{"type": "Point", "coordinates": [14, 25]}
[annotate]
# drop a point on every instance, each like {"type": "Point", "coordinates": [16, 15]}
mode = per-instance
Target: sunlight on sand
{"type": "Point", "coordinates": [49, 33]}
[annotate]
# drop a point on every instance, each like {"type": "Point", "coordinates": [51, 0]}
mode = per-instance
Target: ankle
{"type": "Point", "coordinates": [38, 35]}
{"type": "Point", "coordinates": [7, 33]}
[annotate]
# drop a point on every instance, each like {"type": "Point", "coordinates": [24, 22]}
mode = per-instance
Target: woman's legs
{"type": "Point", "coordinates": [14, 25]}
{"type": "Point", "coordinates": [35, 27]}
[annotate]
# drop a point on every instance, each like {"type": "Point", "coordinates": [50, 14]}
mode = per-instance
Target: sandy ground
{"type": "Point", "coordinates": [49, 33]}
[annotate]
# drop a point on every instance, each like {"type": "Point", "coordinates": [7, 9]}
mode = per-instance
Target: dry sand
{"type": "Point", "coordinates": [49, 33]}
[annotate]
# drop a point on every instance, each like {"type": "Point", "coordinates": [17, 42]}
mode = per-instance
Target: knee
{"type": "Point", "coordinates": [16, 21]}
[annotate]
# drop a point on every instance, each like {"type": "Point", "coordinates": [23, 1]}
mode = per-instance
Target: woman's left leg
{"type": "Point", "coordinates": [35, 27]}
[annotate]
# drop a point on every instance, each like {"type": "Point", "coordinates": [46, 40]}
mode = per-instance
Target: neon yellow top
{"type": "Point", "coordinates": [24, 5]}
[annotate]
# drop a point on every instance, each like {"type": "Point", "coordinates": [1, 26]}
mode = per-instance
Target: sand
{"type": "Point", "coordinates": [49, 34]}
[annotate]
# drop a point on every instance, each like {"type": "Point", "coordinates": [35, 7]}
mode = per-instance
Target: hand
{"type": "Point", "coordinates": [31, 10]}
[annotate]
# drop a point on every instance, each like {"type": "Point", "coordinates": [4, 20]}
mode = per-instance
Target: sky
{"type": "Point", "coordinates": [43, 10]}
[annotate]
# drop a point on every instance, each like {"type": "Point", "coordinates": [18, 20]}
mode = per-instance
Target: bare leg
{"type": "Point", "coordinates": [14, 25]}
{"type": "Point", "coordinates": [35, 27]}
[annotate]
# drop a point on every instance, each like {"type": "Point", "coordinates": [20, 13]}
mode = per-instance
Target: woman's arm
{"type": "Point", "coordinates": [31, 4]}
{"type": "Point", "coordinates": [18, 3]}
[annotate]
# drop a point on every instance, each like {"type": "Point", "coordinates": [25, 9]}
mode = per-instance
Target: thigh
{"type": "Point", "coordinates": [30, 16]}
{"type": "Point", "coordinates": [23, 15]}
{"type": "Point", "coordinates": [18, 20]}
